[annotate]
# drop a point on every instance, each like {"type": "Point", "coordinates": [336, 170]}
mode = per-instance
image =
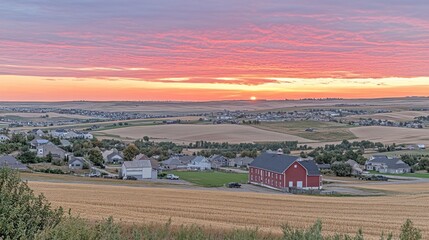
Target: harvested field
{"type": "Point", "coordinates": [186, 133]}
{"type": "Point", "coordinates": [37, 116]}
{"type": "Point", "coordinates": [225, 210]}
{"type": "Point", "coordinates": [392, 134]}
{"type": "Point", "coordinates": [393, 116]}
{"type": "Point", "coordinates": [408, 188]}
{"type": "Point", "coordinates": [323, 131]}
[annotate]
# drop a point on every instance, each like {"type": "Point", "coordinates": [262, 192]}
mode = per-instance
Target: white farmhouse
{"type": "Point", "coordinates": [200, 163]}
{"type": "Point", "coordinates": [140, 169]}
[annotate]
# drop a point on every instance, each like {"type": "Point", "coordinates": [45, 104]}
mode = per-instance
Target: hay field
{"type": "Point", "coordinates": [37, 116]}
{"type": "Point", "coordinates": [186, 133]}
{"type": "Point", "coordinates": [323, 131]}
{"type": "Point", "coordinates": [392, 134]}
{"type": "Point", "coordinates": [393, 116]}
{"type": "Point", "coordinates": [226, 210]}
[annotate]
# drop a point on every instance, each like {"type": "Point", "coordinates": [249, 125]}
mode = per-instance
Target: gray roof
{"type": "Point", "coordinates": [80, 159]}
{"type": "Point", "coordinates": [138, 164]}
{"type": "Point", "coordinates": [243, 160]}
{"type": "Point", "coordinates": [186, 159]}
{"type": "Point", "coordinates": [199, 159]}
{"type": "Point", "coordinates": [274, 162]}
{"type": "Point", "coordinates": [311, 166]}
{"type": "Point", "coordinates": [391, 163]}
{"type": "Point", "coordinates": [11, 162]}
{"type": "Point", "coordinates": [172, 161]}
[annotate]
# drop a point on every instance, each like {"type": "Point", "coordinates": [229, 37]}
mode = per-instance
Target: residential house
{"type": "Point", "coordinates": [240, 162]}
{"type": "Point", "coordinates": [113, 157]}
{"type": "Point", "coordinates": [56, 152]}
{"type": "Point", "coordinates": [421, 146]}
{"type": "Point", "coordinates": [356, 168]}
{"type": "Point", "coordinates": [141, 156]}
{"type": "Point", "coordinates": [140, 169]}
{"type": "Point", "coordinates": [324, 166]}
{"type": "Point", "coordinates": [8, 161]}
{"type": "Point", "coordinates": [37, 133]}
{"type": "Point", "coordinates": [280, 171]}
{"type": "Point", "coordinates": [172, 163]}
{"type": "Point", "coordinates": [65, 143]}
{"type": "Point", "coordinates": [383, 164]}
{"type": "Point", "coordinates": [37, 142]}
{"type": "Point", "coordinates": [76, 163]}
{"type": "Point", "coordinates": [199, 163]}
{"type": "Point", "coordinates": [218, 161]}
{"type": "Point", "coordinates": [4, 138]}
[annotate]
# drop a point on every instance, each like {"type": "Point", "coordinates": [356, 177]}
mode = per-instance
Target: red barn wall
{"type": "Point", "coordinates": [314, 181]}
{"type": "Point", "coordinates": [296, 172]}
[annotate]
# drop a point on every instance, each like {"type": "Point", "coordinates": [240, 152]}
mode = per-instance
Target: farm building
{"type": "Point", "coordinates": [280, 171]}
{"type": "Point", "coordinates": [140, 169]}
{"type": "Point", "coordinates": [383, 164]}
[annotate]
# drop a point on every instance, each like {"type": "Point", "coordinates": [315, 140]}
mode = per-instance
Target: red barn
{"type": "Point", "coordinates": [282, 171]}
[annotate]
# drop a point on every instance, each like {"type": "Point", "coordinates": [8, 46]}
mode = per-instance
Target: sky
{"type": "Point", "coordinates": [212, 50]}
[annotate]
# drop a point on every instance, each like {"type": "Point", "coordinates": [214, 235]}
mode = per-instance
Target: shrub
{"type": "Point", "coordinates": [22, 213]}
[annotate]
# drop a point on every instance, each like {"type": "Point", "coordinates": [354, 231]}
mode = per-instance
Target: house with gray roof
{"type": "Point", "coordinates": [113, 156]}
{"type": "Point", "coordinates": [199, 163]}
{"type": "Point", "coordinates": [11, 162]}
{"type": "Point", "coordinates": [76, 163]}
{"type": "Point", "coordinates": [35, 143]}
{"type": "Point", "coordinates": [384, 164]}
{"type": "Point", "coordinates": [240, 162]}
{"type": "Point", "coordinates": [56, 152]}
{"type": "Point", "coordinates": [218, 161]}
{"type": "Point", "coordinates": [140, 169]}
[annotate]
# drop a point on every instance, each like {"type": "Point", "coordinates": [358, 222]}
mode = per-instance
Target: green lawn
{"type": "Point", "coordinates": [212, 178]}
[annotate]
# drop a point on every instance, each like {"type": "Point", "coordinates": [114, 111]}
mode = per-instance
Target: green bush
{"type": "Point", "coordinates": [23, 214]}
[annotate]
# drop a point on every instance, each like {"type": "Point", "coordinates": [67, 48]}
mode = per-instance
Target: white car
{"type": "Point", "coordinates": [172, 177]}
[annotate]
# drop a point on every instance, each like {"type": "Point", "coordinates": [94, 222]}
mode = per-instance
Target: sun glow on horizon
{"type": "Point", "coordinates": [253, 98]}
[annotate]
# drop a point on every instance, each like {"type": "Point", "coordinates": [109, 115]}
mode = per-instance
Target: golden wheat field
{"type": "Point", "coordinates": [225, 210]}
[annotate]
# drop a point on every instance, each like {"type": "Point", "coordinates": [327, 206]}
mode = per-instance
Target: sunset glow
{"type": "Point", "coordinates": [216, 50]}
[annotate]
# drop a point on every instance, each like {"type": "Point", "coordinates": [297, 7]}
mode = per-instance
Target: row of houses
{"type": "Point", "coordinates": [378, 163]}
{"type": "Point", "coordinates": [203, 163]}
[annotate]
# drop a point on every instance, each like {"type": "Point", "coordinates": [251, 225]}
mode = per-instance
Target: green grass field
{"type": "Point", "coordinates": [323, 131]}
{"type": "Point", "coordinates": [212, 178]}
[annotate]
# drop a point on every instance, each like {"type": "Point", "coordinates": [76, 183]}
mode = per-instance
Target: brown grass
{"type": "Point", "coordinates": [226, 210]}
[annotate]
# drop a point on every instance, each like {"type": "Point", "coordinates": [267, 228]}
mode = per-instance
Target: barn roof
{"type": "Point", "coordinates": [274, 162]}
{"type": "Point", "coordinates": [311, 166]}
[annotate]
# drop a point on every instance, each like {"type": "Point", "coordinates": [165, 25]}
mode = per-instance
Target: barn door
{"type": "Point", "coordinates": [299, 184]}
{"type": "Point", "coordinates": [290, 183]}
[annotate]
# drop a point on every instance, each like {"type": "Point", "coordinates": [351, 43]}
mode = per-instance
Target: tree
{"type": "Point", "coordinates": [409, 232]}
{"type": "Point", "coordinates": [23, 214]}
{"type": "Point", "coordinates": [146, 138]}
{"type": "Point", "coordinates": [130, 152]}
{"type": "Point", "coordinates": [49, 157]}
{"type": "Point", "coordinates": [96, 157]}
{"type": "Point", "coordinates": [341, 169]}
